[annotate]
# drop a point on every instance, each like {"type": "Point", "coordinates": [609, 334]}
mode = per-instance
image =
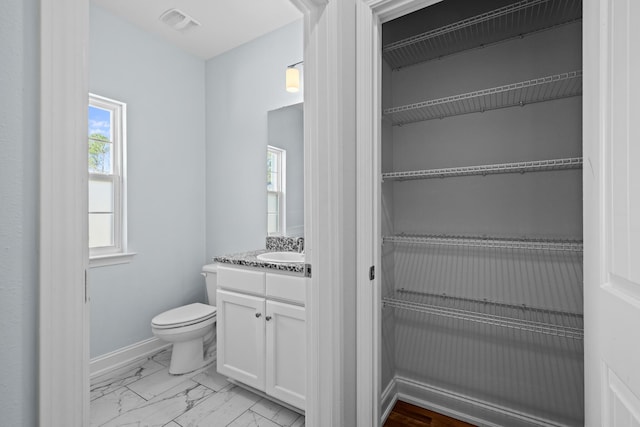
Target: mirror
{"type": "Point", "coordinates": [285, 171]}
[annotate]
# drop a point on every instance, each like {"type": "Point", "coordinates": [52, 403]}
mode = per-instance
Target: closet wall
{"type": "Point", "coordinates": [481, 218]}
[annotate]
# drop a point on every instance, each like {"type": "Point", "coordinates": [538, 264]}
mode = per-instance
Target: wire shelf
{"type": "Point", "coordinates": [542, 89]}
{"type": "Point", "coordinates": [499, 168]}
{"type": "Point", "coordinates": [520, 317]}
{"type": "Point", "coordinates": [507, 22]}
{"type": "Point", "coordinates": [485, 242]}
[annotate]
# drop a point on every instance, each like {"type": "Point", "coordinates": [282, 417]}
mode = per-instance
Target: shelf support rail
{"type": "Point", "coordinates": [489, 319]}
{"type": "Point", "coordinates": [521, 244]}
{"type": "Point", "coordinates": [498, 168]}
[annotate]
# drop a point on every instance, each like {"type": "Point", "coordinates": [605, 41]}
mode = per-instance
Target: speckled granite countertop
{"type": "Point", "coordinates": [248, 259]}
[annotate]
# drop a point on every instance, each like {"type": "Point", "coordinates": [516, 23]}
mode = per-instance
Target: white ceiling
{"type": "Point", "coordinates": [225, 23]}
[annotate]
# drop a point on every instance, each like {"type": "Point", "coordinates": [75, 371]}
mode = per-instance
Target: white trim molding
{"type": "Point", "coordinates": [112, 259]}
{"type": "Point", "coordinates": [329, 122]}
{"type": "Point", "coordinates": [368, 290]}
{"type": "Point", "coordinates": [456, 405]}
{"type": "Point", "coordinates": [126, 356]}
{"type": "Point", "coordinates": [388, 400]}
{"type": "Point", "coordinates": [370, 15]}
{"type": "Point", "coordinates": [64, 329]}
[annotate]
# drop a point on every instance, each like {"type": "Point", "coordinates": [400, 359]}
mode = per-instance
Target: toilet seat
{"type": "Point", "coordinates": [186, 315]}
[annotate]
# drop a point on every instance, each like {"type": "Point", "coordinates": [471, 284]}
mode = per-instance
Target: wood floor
{"type": "Point", "coordinates": [407, 415]}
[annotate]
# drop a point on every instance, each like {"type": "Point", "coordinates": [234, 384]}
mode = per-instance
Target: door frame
{"type": "Point", "coordinates": [63, 396]}
{"type": "Point", "coordinates": [371, 14]}
{"type": "Point", "coordinates": [611, 300]}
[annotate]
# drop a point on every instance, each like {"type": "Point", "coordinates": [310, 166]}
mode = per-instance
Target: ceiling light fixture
{"type": "Point", "coordinates": [292, 78]}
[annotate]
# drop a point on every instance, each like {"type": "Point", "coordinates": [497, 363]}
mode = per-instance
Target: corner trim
{"type": "Point", "coordinates": [389, 398]}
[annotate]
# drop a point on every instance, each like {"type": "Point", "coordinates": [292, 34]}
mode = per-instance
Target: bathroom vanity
{"type": "Point", "coordinates": [261, 329]}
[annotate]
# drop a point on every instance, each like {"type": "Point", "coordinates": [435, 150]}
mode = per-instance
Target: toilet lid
{"type": "Point", "coordinates": [185, 315]}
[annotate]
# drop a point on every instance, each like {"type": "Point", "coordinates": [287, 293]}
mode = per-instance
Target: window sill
{"type": "Point", "coordinates": [111, 259]}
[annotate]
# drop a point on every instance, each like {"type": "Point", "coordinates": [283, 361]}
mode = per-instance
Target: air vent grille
{"type": "Point", "coordinates": [178, 20]}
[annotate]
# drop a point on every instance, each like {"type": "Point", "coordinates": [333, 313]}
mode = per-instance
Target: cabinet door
{"type": "Point", "coordinates": [286, 353]}
{"type": "Point", "coordinates": [240, 330]}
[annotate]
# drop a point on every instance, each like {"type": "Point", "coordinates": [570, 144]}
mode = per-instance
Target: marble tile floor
{"type": "Point", "coordinates": [145, 394]}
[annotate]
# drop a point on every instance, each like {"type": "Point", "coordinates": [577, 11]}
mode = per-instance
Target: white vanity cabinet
{"type": "Point", "coordinates": [261, 331]}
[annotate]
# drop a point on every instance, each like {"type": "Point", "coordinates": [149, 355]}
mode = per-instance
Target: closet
{"type": "Point", "coordinates": [481, 211]}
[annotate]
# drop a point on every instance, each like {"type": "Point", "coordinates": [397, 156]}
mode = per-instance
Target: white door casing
{"type": "Point", "coordinates": [370, 15]}
{"type": "Point", "coordinates": [63, 386]}
{"type": "Point", "coordinates": [612, 212]}
{"type": "Point", "coordinates": [63, 374]}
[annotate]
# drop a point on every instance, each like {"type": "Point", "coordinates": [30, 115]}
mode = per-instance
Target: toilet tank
{"type": "Point", "coordinates": [210, 273]}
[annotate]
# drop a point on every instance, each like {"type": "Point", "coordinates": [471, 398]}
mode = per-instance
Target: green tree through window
{"type": "Point", "coordinates": [99, 148]}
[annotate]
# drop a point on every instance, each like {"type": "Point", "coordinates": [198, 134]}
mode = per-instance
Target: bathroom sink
{"type": "Point", "coordinates": [288, 257]}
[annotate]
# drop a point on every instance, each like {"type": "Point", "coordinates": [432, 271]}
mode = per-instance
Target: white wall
{"type": "Point", "coordinates": [242, 85]}
{"type": "Point", "coordinates": [19, 165]}
{"type": "Point", "coordinates": [164, 91]}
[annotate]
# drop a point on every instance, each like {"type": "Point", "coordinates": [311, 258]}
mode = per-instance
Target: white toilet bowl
{"type": "Point", "coordinates": [187, 327]}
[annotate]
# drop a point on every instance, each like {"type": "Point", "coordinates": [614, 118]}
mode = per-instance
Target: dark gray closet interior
{"type": "Point", "coordinates": [481, 210]}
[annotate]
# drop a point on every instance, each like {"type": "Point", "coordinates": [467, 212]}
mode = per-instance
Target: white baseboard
{"type": "Point", "coordinates": [456, 405]}
{"type": "Point", "coordinates": [388, 400]}
{"type": "Point", "coordinates": [125, 356]}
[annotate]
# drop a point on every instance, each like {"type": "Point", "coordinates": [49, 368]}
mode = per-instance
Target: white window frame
{"type": "Point", "coordinates": [281, 195]}
{"type": "Point", "coordinates": [117, 253]}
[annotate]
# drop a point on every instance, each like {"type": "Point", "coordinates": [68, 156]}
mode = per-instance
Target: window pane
{"type": "Point", "coordinates": [100, 230]}
{"type": "Point", "coordinates": [273, 183]}
{"type": "Point", "coordinates": [100, 196]}
{"type": "Point", "coordinates": [100, 156]}
{"type": "Point", "coordinates": [100, 122]}
{"type": "Point", "coordinates": [272, 203]}
{"type": "Point", "coordinates": [273, 170]}
{"type": "Point", "coordinates": [272, 223]}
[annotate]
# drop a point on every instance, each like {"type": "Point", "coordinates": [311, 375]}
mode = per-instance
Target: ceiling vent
{"type": "Point", "coordinates": [178, 20]}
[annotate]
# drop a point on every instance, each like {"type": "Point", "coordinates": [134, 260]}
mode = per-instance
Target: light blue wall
{"type": "Point", "coordinates": [242, 86]}
{"type": "Point", "coordinates": [19, 166]}
{"type": "Point", "coordinates": [164, 91]}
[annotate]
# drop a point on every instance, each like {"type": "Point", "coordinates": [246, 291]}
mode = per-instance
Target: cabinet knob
{"type": "Point", "coordinates": [268, 318]}
{"type": "Point", "coordinates": [258, 314]}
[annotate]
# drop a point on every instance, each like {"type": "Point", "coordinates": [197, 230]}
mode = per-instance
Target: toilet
{"type": "Point", "coordinates": [189, 328]}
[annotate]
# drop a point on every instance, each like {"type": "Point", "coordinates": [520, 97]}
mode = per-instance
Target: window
{"type": "Point", "coordinates": [107, 186]}
{"type": "Point", "coordinates": [276, 161]}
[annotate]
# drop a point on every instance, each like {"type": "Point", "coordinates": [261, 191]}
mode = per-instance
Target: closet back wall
{"type": "Point", "coordinates": [164, 91]}
{"type": "Point", "coordinates": [496, 206]}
